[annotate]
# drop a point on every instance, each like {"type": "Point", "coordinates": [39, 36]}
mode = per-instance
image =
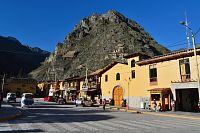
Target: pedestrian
{"type": "Point", "coordinates": [159, 107]}
{"type": "Point", "coordinates": [122, 102]}
{"type": "Point", "coordinates": [104, 104]}
{"type": "Point", "coordinates": [173, 105]}
{"type": "Point", "coordinates": [155, 104]}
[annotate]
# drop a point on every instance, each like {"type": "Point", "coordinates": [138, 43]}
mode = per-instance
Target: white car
{"type": "Point", "coordinates": [27, 99]}
{"type": "Point", "coordinates": [79, 102]}
{"type": "Point", "coordinates": [11, 97]}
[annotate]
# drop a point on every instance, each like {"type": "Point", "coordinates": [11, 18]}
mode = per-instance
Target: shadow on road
{"type": "Point", "coordinates": [43, 106]}
{"type": "Point", "coordinates": [23, 131]}
{"type": "Point", "coordinates": [53, 114]}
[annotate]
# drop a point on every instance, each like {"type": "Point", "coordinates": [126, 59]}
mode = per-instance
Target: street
{"type": "Point", "coordinates": [51, 117]}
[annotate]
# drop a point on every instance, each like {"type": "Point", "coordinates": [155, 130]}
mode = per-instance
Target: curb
{"type": "Point", "coordinates": [156, 114]}
{"type": "Point", "coordinates": [11, 117]}
{"type": "Point", "coordinates": [173, 115]}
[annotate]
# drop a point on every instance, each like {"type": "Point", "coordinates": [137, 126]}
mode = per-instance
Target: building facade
{"type": "Point", "coordinates": [164, 78]}
{"type": "Point", "coordinates": [20, 86]}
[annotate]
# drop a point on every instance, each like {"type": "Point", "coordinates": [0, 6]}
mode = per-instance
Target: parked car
{"type": "Point", "coordinates": [11, 97]}
{"type": "Point", "coordinates": [87, 103]}
{"type": "Point", "coordinates": [61, 100]}
{"type": "Point", "coordinates": [83, 102]}
{"type": "Point", "coordinates": [27, 100]}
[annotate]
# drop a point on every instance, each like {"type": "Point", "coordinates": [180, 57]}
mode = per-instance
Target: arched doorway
{"type": "Point", "coordinates": [118, 95]}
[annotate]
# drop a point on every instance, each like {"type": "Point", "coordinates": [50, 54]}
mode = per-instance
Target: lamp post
{"type": "Point", "coordinates": [195, 54]}
{"type": "Point", "coordinates": [3, 80]}
{"type": "Point", "coordinates": [128, 91]}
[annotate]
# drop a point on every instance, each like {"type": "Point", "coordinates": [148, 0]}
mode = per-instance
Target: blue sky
{"type": "Point", "coordinates": [44, 23]}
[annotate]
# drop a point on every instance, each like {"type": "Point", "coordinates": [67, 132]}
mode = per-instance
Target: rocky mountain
{"type": "Point", "coordinates": [94, 43]}
{"type": "Point", "coordinates": [17, 59]}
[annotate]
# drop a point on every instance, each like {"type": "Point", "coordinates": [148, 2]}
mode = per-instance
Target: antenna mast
{"type": "Point", "coordinates": [186, 30]}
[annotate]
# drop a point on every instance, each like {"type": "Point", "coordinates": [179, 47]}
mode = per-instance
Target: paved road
{"type": "Point", "coordinates": [50, 117]}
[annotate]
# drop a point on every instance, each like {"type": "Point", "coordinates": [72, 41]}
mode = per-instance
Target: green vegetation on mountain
{"type": "Point", "coordinates": [95, 42]}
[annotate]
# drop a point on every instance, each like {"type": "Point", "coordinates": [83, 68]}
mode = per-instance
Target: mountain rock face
{"type": "Point", "coordinates": [17, 59]}
{"type": "Point", "coordinates": [94, 43]}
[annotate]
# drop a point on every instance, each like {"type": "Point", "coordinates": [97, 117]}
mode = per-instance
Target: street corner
{"type": "Point", "coordinates": [9, 113]}
{"type": "Point", "coordinates": [10, 117]}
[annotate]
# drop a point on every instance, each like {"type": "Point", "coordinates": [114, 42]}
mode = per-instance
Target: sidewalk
{"type": "Point", "coordinates": [8, 112]}
{"type": "Point", "coordinates": [176, 114]}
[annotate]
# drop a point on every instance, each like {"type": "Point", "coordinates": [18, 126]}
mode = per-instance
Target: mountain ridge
{"type": "Point", "coordinates": [94, 43]}
{"type": "Point", "coordinates": [17, 59]}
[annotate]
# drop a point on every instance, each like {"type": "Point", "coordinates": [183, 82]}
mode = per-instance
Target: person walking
{"type": "Point", "coordinates": [160, 107]}
{"type": "Point", "coordinates": [104, 104]}
{"type": "Point", "coordinates": [155, 104]}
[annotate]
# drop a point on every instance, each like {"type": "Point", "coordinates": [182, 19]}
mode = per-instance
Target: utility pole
{"type": "Point", "coordinates": [3, 80]}
{"type": "Point", "coordinates": [86, 79]}
{"type": "Point", "coordinates": [186, 30]}
{"type": "Point", "coordinates": [196, 60]}
{"type": "Point", "coordinates": [195, 54]}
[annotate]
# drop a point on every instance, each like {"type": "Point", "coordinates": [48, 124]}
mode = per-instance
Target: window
{"type": "Point", "coordinates": [133, 74]}
{"type": "Point", "coordinates": [184, 69]}
{"type": "Point", "coordinates": [132, 63]}
{"type": "Point", "coordinates": [106, 78]}
{"type": "Point", "coordinates": [117, 76]}
{"type": "Point", "coordinates": [153, 73]}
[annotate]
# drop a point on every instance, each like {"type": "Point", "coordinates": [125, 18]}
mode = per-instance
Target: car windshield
{"type": "Point", "coordinates": [29, 96]}
{"type": "Point", "coordinates": [12, 95]}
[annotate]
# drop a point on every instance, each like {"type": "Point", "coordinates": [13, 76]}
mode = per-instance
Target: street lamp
{"type": "Point", "coordinates": [3, 81]}
{"type": "Point", "coordinates": [194, 49]}
{"type": "Point", "coordinates": [129, 79]}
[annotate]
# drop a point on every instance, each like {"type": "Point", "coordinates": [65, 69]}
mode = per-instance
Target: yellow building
{"type": "Point", "coordinates": [19, 86]}
{"type": "Point", "coordinates": [163, 78]}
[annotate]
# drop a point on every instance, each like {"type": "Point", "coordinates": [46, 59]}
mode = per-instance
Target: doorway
{"type": "Point", "coordinates": [118, 95]}
{"type": "Point", "coordinates": [187, 99]}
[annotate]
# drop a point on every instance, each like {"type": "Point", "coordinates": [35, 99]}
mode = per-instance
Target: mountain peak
{"type": "Point", "coordinates": [96, 41]}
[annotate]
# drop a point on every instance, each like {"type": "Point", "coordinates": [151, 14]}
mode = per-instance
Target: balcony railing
{"type": "Point", "coordinates": [185, 77]}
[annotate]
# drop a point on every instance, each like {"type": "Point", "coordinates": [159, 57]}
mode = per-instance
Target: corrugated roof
{"type": "Point", "coordinates": [170, 56]}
